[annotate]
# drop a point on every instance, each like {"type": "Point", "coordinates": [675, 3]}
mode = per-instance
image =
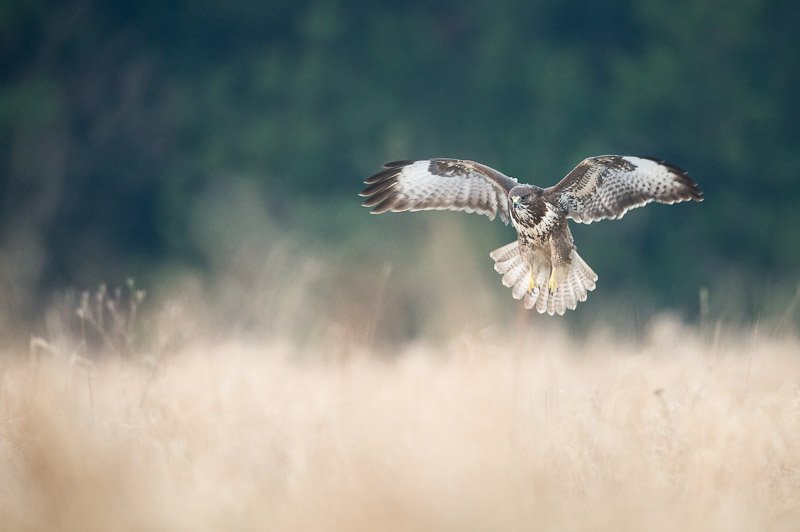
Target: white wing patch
{"type": "Point", "coordinates": [423, 189]}
{"type": "Point", "coordinates": [439, 184]}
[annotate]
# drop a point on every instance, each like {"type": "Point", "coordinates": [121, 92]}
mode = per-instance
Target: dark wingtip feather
{"type": "Point", "coordinates": [693, 189]}
{"type": "Point", "coordinates": [377, 197]}
{"type": "Point", "coordinates": [382, 206]}
{"type": "Point", "coordinates": [380, 186]}
{"type": "Point", "coordinates": [695, 194]}
{"type": "Point", "coordinates": [383, 175]}
{"type": "Point", "coordinates": [380, 192]}
{"type": "Point", "coordinates": [398, 164]}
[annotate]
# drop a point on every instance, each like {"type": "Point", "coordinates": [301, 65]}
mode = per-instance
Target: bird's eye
{"type": "Point", "coordinates": [526, 198]}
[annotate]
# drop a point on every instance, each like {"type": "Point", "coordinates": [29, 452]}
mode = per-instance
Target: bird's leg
{"type": "Point", "coordinates": [553, 283]}
{"type": "Point", "coordinates": [560, 250]}
{"type": "Point", "coordinates": [531, 283]}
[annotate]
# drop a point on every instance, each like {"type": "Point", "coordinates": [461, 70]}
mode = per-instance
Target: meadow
{"type": "Point", "coordinates": [521, 428]}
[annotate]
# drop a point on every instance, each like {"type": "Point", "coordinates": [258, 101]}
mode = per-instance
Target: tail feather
{"type": "Point", "coordinates": [516, 271]}
{"type": "Point", "coordinates": [516, 277]}
{"type": "Point", "coordinates": [559, 301]}
{"type": "Point", "coordinates": [513, 274]}
{"type": "Point", "coordinates": [505, 253]}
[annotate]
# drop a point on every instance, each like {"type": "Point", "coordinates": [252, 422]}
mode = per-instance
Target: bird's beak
{"type": "Point", "coordinates": [514, 201]}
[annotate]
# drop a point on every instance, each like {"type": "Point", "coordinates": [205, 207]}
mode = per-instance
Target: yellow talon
{"type": "Point", "coordinates": [531, 284]}
{"type": "Point", "coordinates": [552, 283]}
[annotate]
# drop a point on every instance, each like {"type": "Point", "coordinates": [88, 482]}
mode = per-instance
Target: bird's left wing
{"type": "Point", "coordinates": [442, 184]}
{"type": "Point", "coordinates": [609, 185]}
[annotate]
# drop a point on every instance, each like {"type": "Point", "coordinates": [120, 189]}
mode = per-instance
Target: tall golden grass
{"type": "Point", "coordinates": [286, 395]}
{"type": "Point", "coordinates": [524, 429]}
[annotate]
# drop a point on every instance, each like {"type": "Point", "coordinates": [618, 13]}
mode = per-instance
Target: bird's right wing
{"type": "Point", "coordinates": [441, 184]}
{"type": "Point", "coordinates": [609, 185]}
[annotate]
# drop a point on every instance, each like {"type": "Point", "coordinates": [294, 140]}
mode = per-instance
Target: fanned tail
{"type": "Point", "coordinates": [534, 289]}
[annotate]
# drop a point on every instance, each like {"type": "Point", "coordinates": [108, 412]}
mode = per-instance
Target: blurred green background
{"type": "Point", "coordinates": [148, 139]}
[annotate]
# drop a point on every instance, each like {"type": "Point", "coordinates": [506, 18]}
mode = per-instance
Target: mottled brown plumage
{"type": "Point", "coordinates": [541, 266]}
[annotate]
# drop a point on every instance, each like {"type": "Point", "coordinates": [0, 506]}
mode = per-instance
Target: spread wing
{"type": "Point", "coordinates": [443, 184]}
{"type": "Point", "coordinates": [609, 185]}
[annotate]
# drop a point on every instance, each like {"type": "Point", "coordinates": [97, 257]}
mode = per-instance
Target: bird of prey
{"type": "Point", "coordinates": [542, 266]}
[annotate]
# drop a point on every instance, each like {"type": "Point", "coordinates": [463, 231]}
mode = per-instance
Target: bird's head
{"type": "Point", "coordinates": [523, 195]}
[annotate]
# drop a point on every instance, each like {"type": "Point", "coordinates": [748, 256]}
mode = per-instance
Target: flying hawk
{"type": "Point", "coordinates": [541, 266]}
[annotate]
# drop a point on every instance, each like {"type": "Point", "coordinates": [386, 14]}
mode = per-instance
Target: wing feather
{"type": "Point", "coordinates": [439, 184]}
{"type": "Point", "coordinates": [608, 186]}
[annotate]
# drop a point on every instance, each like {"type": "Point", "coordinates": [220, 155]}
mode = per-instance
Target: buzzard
{"type": "Point", "coordinates": [542, 266]}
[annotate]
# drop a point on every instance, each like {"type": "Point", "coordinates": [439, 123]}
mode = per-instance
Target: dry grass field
{"type": "Point", "coordinates": [497, 430]}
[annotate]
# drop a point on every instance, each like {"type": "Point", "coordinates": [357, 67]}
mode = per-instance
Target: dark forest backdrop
{"type": "Point", "coordinates": [138, 138]}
